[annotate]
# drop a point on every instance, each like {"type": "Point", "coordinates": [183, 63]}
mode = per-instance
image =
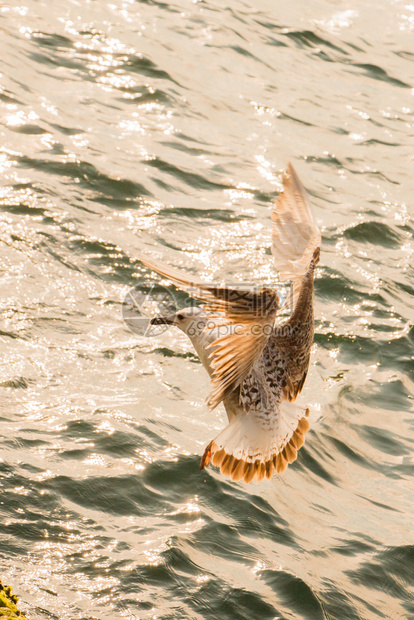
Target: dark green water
{"type": "Point", "coordinates": [162, 128]}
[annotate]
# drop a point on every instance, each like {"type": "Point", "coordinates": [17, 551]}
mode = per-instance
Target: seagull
{"type": "Point", "coordinates": [256, 362]}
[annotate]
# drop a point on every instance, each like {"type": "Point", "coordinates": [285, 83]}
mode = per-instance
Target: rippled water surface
{"type": "Point", "coordinates": [162, 128]}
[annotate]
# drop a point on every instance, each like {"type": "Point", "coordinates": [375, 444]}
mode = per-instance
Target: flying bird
{"type": "Point", "coordinates": [257, 365]}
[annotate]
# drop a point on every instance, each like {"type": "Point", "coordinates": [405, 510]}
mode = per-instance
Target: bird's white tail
{"type": "Point", "coordinates": [246, 449]}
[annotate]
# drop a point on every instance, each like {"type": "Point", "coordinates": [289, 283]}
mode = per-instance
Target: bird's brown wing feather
{"type": "Point", "coordinates": [295, 236]}
{"type": "Point", "coordinates": [250, 317]}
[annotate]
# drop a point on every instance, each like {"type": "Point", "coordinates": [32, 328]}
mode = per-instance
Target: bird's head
{"type": "Point", "coordinates": [190, 320]}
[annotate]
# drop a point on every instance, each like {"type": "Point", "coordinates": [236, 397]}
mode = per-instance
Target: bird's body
{"type": "Point", "coordinates": [257, 367]}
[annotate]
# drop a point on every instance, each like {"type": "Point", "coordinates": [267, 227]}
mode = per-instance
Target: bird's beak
{"type": "Point", "coordinates": [163, 320]}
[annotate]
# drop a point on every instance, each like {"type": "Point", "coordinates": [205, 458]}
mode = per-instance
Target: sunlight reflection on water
{"type": "Point", "coordinates": [162, 129]}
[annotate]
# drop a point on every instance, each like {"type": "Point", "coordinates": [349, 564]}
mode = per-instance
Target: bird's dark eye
{"type": "Point", "coordinates": [180, 316]}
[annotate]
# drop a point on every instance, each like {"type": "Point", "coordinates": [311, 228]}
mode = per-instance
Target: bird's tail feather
{"type": "Point", "coordinates": [245, 450]}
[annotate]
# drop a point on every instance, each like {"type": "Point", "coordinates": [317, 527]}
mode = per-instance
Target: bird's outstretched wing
{"type": "Point", "coordinates": [249, 317]}
{"type": "Point", "coordinates": [295, 236]}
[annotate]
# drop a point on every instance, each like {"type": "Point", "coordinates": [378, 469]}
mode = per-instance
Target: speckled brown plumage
{"type": "Point", "coordinates": [258, 367]}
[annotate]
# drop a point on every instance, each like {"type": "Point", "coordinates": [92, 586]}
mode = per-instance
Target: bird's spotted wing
{"type": "Point", "coordinates": [246, 321]}
{"type": "Point", "coordinates": [295, 236]}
